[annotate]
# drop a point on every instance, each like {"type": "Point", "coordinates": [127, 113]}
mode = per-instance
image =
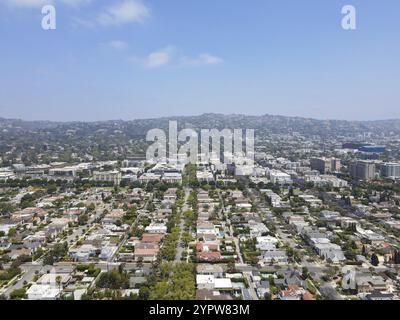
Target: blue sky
{"type": "Point", "coordinates": [127, 59]}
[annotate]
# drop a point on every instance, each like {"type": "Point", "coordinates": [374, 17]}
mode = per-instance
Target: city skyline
{"type": "Point", "coordinates": [130, 59]}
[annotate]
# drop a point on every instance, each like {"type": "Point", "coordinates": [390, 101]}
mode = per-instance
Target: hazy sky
{"type": "Point", "coordinates": [126, 59]}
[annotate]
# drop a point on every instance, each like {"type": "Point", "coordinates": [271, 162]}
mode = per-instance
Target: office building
{"type": "Point", "coordinates": [108, 176]}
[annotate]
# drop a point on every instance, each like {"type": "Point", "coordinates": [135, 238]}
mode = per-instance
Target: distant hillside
{"type": "Point", "coordinates": [262, 124]}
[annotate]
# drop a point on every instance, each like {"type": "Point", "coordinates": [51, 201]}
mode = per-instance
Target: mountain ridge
{"type": "Point", "coordinates": [230, 115]}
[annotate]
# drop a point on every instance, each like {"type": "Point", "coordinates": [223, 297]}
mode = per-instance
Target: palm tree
{"type": "Point", "coordinates": [58, 281]}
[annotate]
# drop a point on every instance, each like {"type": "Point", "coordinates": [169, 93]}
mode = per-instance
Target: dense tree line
{"type": "Point", "coordinates": [170, 281]}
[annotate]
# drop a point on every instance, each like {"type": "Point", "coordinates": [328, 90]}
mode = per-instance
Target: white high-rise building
{"type": "Point", "coordinates": [390, 170]}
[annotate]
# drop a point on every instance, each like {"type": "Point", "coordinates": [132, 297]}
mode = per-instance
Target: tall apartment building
{"type": "Point", "coordinates": [364, 170]}
{"type": "Point", "coordinates": [325, 165]}
{"type": "Point", "coordinates": [390, 170]}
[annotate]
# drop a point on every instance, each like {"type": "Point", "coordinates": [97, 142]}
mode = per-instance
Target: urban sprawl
{"type": "Point", "coordinates": [312, 219]}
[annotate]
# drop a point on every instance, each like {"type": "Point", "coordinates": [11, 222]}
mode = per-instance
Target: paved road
{"type": "Point", "coordinates": [252, 288]}
{"type": "Point", "coordinates": [78, 233]}
{"type": "Point", "coordinates": [185, 207]}
{"type": "Point", "coordinates": [235, 239]}
{"type": "Point", "coordinates": [284, 237]}
{"type": "Point", "coordinates": [121, 243]}
{"type": "Point", "coordinates": [28, 273]}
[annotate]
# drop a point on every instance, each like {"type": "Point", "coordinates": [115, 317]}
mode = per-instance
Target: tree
{"type": "Point", "coordinates": [231, 266]}
{"type": "Point", "coordinates": [18, 294]}
{"type": "Point", "coordinates": [396, 257]}
{"type": "Point", "coordinates": [291, 193]}
{"type": "Point", "coordinates": [58, 281]}
{"type": "Point", "coordinates": [144, 293]}
{"type": "Point", "coordinates": [139, 263]}
{"type": "Point", "coordinates": [374, 260]}
{"type": "Point", "coordinates": [48, 259]}
{"type": "Point", "coordinates": [12, 232]}
{"type": "Point", "coordinates": [56, 253]}
{"type": "Point", "coordinates": [364, 251]}
{"type": "Point", "coordinates": [11, 272]}
{"type": "Point", "coordinates": [114, 280]}
{"type": "Point", "coordinates": [267, 296]}
{"type": "Point", "coordinates": [305, 273]}
{"type": "Point", "coordinates": [52, 189]}
{"type": "Point", "coordinates": [83, 219]}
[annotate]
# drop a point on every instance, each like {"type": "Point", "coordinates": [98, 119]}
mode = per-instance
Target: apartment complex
{"type": "Point", "coordinates": [390, 170]}
{"type": "Point", "coordinates": [364, 170]}
{"type": "Point", "coordinates": [325, 165]}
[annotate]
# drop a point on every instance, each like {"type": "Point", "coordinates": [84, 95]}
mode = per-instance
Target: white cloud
{"type": "Point", "coordinates": [202, 60]}
{"type": "Point", "coordinates": [207, 58]}
{"type": "Point", "coordinates": [155, 59]}
{"type": "Point", "coordinates": [118, 13]}
{"type": "Point", "coordinates": [29, 3]}
{"type": "Point", "coordinates": [41, 3]}
{"type": "Point", "coordinates": [124, 12]}
{"type": "Point", "coordinates": [159, 58]}
{"type": "Point", "coordinates": [76, 3]}
{"type": "Point", "coordinates": [117, 44]}
{"type": "Point", "coordinates": [168, 56]}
